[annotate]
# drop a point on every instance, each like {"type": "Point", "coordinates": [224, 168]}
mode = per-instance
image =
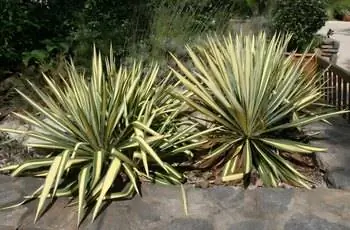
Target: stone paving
{"type": "Point", "coordinates": [161, 207]}
{"type": "Point", "coordinates": [336, 161]}
{"type": "Point", "coordinates": [218, 208]}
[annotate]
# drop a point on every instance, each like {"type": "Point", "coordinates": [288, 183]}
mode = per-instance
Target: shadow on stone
{"type": "Point", "coordinates": [267, 203]}
{"type": "Point", "coordinates": [339, 179]}
{"type": "Point", "coordinates": [250, 225]}
{"type": "Point", "coordinates": [188, 223]}
{"type": "Point", "coordinates": [310, 222]}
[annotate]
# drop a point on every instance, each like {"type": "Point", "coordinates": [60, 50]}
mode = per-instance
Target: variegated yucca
{"type": "Point", "coordinates": [252, 92]}
{"type": "Point", "coordinates": [106, 132]}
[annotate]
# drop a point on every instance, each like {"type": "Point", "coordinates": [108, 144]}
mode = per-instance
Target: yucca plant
{"type": "Point", "coordinates": [252, 92]}
{"type": "Point", "coordinates": [106, 133]}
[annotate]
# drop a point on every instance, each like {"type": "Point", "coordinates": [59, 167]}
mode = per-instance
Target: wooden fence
{"type": "Point", "coordinates": [337, 85]}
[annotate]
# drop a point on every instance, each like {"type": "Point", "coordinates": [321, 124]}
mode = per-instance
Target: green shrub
{"type": "Point", "coordinates": [339, 8]}
{"type": "Point", "coordinates": [17, 21]}
{"type": "Point", "coordinates": [140, 28]}
{"type": "Point", "coordinates": [175, 23]}
{"type": "Point", "coordinates": [30, 25]}
{"type": "Point", "coordinates": [106, 134]}
{"type": "Point", "coordinates": [247, 88]}
{"type": "Point", "coordinates": [120, 23]}
{"type": "Point", "coordinates": [302, 18]}
{"type": "Point", "coordinates": [27, 27]}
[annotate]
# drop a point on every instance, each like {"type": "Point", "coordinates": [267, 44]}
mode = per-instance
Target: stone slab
{"type": "Point", "coordinates": [190, 223]}
{"type": "Point", "coordinates": [267, 203]}
{"type": "Point", "coordinates": [311, 222]}
{"type": "Point", "coordinates": [336, 161]}
{"type": "Point", "coordinates": [339, 179]}
{"type": "Point", "coordinates": [250, 225]}
{"type": "Point", "coordinates": [215, 208]}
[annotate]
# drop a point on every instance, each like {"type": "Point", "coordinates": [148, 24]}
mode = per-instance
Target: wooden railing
{"type": "Point", "coordinates": [337, 85]}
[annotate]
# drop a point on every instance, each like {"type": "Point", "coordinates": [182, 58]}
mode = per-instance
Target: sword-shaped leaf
{"type": "Point", "coordinates": [108, 180]}
{"type": "Point", "coordinates": [49, 181]}
{"type": "Point", "coordinates": [83, 183]}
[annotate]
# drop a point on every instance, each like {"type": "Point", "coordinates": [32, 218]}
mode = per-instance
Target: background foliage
{"type": "Point", "coordinates": [35, 32]}
{"type": "Point", "coordinates": [302, 18]}
{"type": "Point", "coordinates": [337, 9]}
{"type": "Point", "coordinates": [27, 26]}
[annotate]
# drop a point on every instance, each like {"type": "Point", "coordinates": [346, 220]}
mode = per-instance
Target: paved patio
{"type": "Point", "coordinates": [335, 162]}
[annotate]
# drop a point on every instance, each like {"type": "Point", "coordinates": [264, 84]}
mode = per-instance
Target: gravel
{"type": "Point", "coordinates": [12, 152]}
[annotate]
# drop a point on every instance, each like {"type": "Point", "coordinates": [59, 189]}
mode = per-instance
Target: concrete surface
{"type": "Point", "coordinates": [342, 34]}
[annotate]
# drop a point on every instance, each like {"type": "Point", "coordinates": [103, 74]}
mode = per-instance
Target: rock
{"type": "Point", "coordinates": [117, 217]}
{"type": "Point", "coordinates": [27, 185]}
{"type": "Point", "coordinates": [13, 151]}
{"type": "Point", "coordinates": [339, 179]}
{"type": "Point", "coordinates": [11, 122]}
{"type": "Point", "coordinates": [190, 224]}
{"type": "Point", "coordinates": [30, 228]}
{"type": "Point", "coordinates": [250, 225]}
{"type": "Point", "coordinates": [335, 138]}
{"type": "Point", "coordinates": [12, 191]}
{"type": "Point", "coordinates": [56, 216]}
{"type": "Point", "coordinates": [17, 187]}
{"type": "Point", "coordinates": [267, 203]}
{"type": "Point", "coordinates": [10, 99]}
{"type": "Point", "coordinates": [310, 222]}
{"type": "Point", "coordinates": [145, 209]}
{"type": "Point", "coordinates": [9, 197]}
{"type": "Point", "coordinates": [226, 197]}
{"type": "Point", "coordinates": [10, 83]}
{"type": "Point", "coordinates": [198, 205]}
{"type": "Point", "coordinates": [204, 184]}
{"type": "Point", "coordinates": [215, 208]}
{"type": "Point", "coordinates": [3, 227]}
{"type": "Point", "coordinates": [13, 217]}
{"type": "Point", "coordinates": [14, 123]}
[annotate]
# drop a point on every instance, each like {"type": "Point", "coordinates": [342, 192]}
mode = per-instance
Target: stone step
{"type": "Point", "coordinates": [332, 42]}
{"type": "Point", "coordinates": [327, 47]}
{"type": "Point", "coordinates": [329, 51]}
